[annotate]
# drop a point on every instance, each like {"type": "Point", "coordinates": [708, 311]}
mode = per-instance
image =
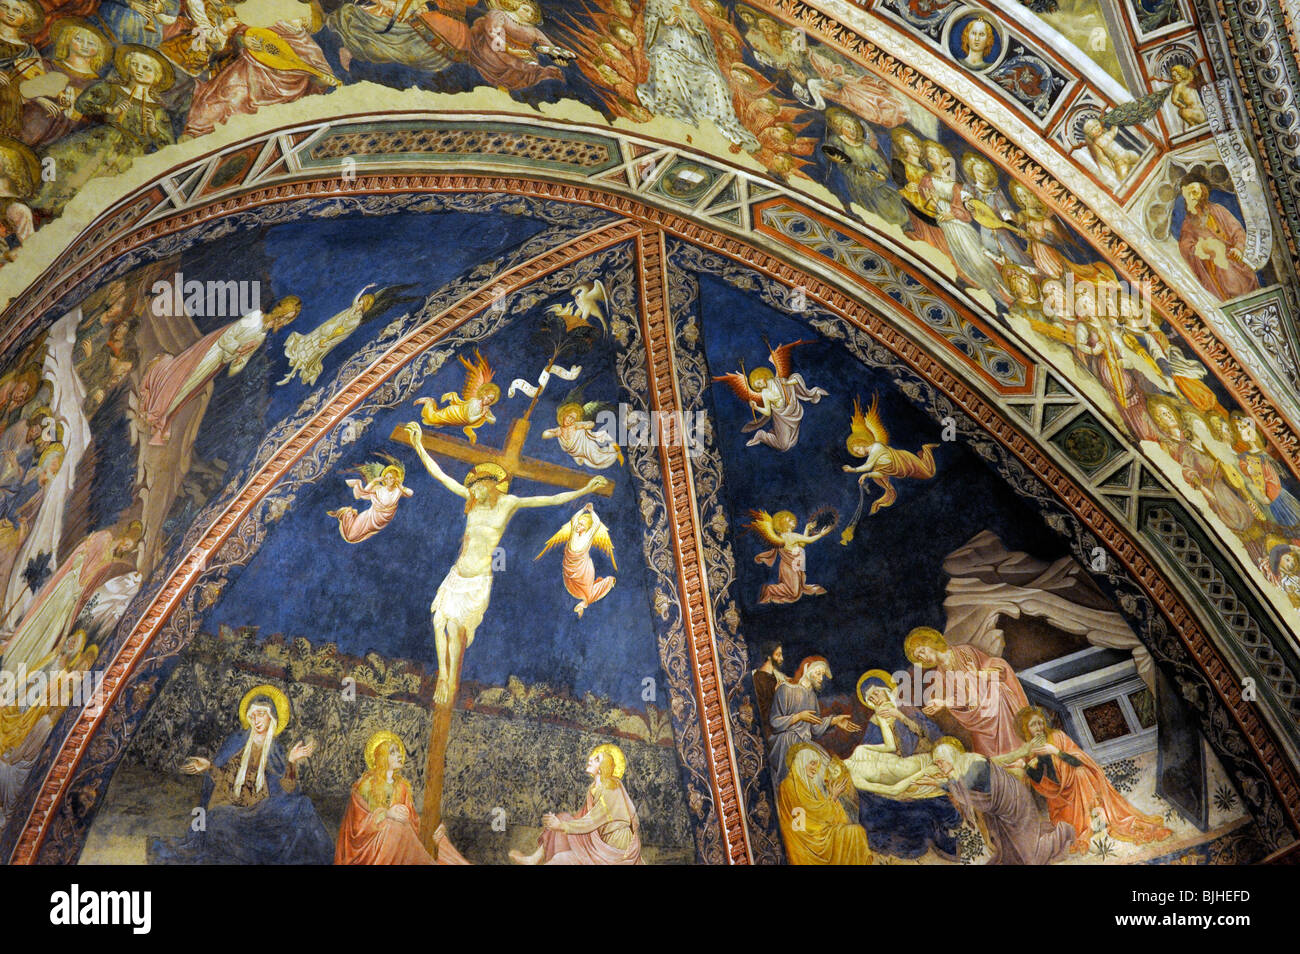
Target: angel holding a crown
{"type": "Point", "coordinates": [583, 531]}
{"type": "Point", "coordinates": [384, 488]}
{"type": "Point", "coordinates": [779, 529]}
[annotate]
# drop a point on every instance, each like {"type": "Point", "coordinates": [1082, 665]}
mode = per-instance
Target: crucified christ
{"type": "Point", "coordinates": [463, 596]}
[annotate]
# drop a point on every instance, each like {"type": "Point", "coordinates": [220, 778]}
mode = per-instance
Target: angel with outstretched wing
{"type": "Point", "coordinates": [306, 351]}
{"type": "Point", "coordinates": [384, 487]}
{"type": "Point", "coordinates": [577, 434]}
{"type": "Point", "coordinates": [883, 464]}
{"type": "Point", "coordinates": [776, 396]}
{"type": "Point", "coordinates": [788, 545]}
{"type": "Point", "coordinates": [583, 531]}
{"type": "Point", "coordinates": [471, 408]}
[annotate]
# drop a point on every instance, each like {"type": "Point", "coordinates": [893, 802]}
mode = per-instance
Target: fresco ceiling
{"type": "Point", "coordinates": [843, 329]}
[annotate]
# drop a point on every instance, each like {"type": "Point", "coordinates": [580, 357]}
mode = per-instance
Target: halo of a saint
{"type": "Point", "coordinates": [615, 755]}
{"type": "Point", "coordinates": [880, 674]}
{"type": "Point", "coordinates": [488, 471]}
{"type": "Point", "coordinates": [282, 713]}
{"type": "Point", "coordinates": [378, 739]}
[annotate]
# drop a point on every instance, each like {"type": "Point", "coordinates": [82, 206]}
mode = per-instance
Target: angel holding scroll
{"type": "Point", "coordinates": [384, 488]}
{"type": "Point", "coordinates": [583, 531]}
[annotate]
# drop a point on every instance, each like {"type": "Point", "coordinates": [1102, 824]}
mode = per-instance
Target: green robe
{"type": "Point", "coordinates": [128, 127]}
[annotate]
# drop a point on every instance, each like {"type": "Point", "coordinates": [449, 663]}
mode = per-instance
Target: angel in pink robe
{"type": "Point", "coordinates": [384, 488]}
{"type": "Point", "coordinates": [172, 381]}
{"type": "Point", "coordinates": [583, 530]}
{"type": "Point", "coordinates": [605, 832]}
{"type": "Point", "coordinates": [246, 85]}
{"type": "Point", "coordinates": [788, 548]}
{"type": "Point", "coordinates": [59, 602]}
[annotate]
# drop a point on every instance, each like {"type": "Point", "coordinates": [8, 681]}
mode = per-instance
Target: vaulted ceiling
{"type": "Point", "coordinates": [789, 209]}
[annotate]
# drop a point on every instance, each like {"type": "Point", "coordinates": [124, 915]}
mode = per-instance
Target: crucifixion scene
{"type": "Point", "coordinates": [456, 433]}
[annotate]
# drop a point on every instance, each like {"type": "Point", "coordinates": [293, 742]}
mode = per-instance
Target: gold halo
{"type": "Point", "coordinates": [880, 674]}
{"type": "Point", "coordinates": [373, 743]}
{"type": "Point", "coordinates": [488, 471]}
{"type": "Point", "coordinates": [64, 24]}
{"type": "Point", "coordinates": [953, 741]}
{"type": "Point", "coordinates": [277, 697]}
{"type": "Point", "coordinates": [28, 164]}
{"type": "Point", "coordinates": [616, 756]}
{"type": "Point", "coordinates": [397, 469]}
{"type": "Point", "coordinates": [760, 376]}
{"type": "Point", "coordinates": [783, 517]}
{"type": "Point", "coordinates": [564, 409]}
{"type": "Point", "coordinates": [167, 76]}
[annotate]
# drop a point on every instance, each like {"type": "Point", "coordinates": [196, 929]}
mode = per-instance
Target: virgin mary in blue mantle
{"type": "Point", "coordinates": [255, 813]}
{"type": "Point", "coordinates": [898, 827]}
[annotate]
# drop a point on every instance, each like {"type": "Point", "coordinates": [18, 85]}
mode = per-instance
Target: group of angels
{"type": "Point", "coordinates": [776, 396]}
{"type": "Point", "coordinates": [470, 408]}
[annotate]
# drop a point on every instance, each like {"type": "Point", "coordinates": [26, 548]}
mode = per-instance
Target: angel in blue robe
{"type": "Point", "coordinates": [904, 828]}
{"type": "Point", "coordinates": [254, 812]}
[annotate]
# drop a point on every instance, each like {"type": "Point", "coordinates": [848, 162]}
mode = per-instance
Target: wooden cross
{"type": "Point", "coordinates": [510, 458]}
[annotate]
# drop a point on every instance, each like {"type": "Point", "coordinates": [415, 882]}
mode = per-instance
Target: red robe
{"type": "Point", "coordinates": [366, 840]}
{"type": "Point", "coordinates": [989, 712]}
{"type": "Point", "coordinates": [246, 85]}
{"type": "Point", "coordinates": [1216, 222]}
{"type": "Point", "coordinates": [1076, 790]}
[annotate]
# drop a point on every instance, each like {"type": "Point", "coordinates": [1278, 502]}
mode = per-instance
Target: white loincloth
{"type": "Point", "coordinates": [462, 599]}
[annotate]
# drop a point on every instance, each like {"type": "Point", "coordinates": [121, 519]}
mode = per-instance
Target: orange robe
{"type": "Point", "coordinates": [1077, 789]}
{"type": "Point", "coordinates": [366, 839]}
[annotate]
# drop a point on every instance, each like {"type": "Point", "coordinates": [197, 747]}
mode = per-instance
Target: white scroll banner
{"type": "Point", "coordinates": [566, 374]}
{"type": "Point", "coordinates": [1220, 111]}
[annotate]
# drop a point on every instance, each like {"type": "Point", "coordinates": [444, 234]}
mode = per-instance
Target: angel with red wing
{"type": "Point", "coordinates": [776, 397]}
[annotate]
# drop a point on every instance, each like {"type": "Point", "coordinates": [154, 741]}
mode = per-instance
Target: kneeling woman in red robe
{"type": "Point", "coordinates": [1075, 786]}
{"type": "Point", "coordinates": [381, 826]}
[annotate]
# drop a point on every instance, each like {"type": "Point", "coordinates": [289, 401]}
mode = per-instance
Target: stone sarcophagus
{"type": "Point", "coordinates": [1099, 698]}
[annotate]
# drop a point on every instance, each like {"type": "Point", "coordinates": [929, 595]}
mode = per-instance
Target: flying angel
{"type": "Point", "coordinates": [775, 396]}
{"type": "Point", "coordinates": [577, 432]}
{"type": "Point", "coordinates": [583, 531]}
{"type": "Point", "coordinates": [306, 352]}
{"type": "Point", "coordinates": [471, 408]}
{"type": "Point", "coordinates": [868, 438]}
{"type": "Point", "coordinates": [384, 487]}
{"type": "Point", "coordinates": [788, 545]}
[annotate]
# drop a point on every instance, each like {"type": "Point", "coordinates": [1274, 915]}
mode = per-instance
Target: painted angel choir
{"type": "Point", "coordinates": [895, 784]}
